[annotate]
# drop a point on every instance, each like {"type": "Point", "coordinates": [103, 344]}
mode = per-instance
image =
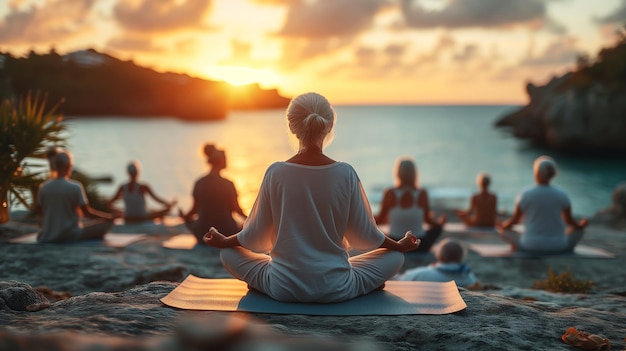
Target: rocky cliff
{"type": "Point", "coordinates": [581, 111]}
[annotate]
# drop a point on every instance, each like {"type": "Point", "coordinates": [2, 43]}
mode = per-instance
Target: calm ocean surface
{"type": "Point", "coordinates": [450, 144]}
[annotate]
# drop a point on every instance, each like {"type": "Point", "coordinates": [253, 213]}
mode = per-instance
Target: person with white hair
{"type": "Point", "coordinates": [450, 265]}
{"type": "Point", "coordinates": [309, 212]}
{"type": "Point", "coordinates": [59, 201]}
{"type": "Point", "coordinates": [133, 193]}
{"type": "Point", "coordinates": [483, 210]}
{"type": "Point", "coordinates": [406, 207]}
{"type": "Point", "coordinates": [547, 215]}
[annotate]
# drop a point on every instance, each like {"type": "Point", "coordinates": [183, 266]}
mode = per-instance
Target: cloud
{"type": "Point", "coordinates": [445, 43]}
{"type": "Point", "coordinates": [393, 61]}
{"type": "Point", "coordinates": [468, 53]}
{"type": "Point", "coordinates": [314, 28]}
{"type": "Point", "coordinates": [364, 55]}
{"type": "Point", "coordinates": [298, 51]}
{"type": "Point", "coordinates": [133, 44]}
{"type": "Point", "coordinates": [240, 53]}
{"type": "Point", "coordinates": [330, 18]}
{"type": "Point", "coordinates": [50, 22]}
{"type": "Point", "coordinates": [395, 50]}
{"type": "Point", "coordinates": [617, 17]}
{"type": "Point", "coordinates": [476, 13]}
{"type": "Point", "coordinates": [563, 51]}
{"type": "Point", "coordinates": [161, 15]}
{"type": "Point", "coordinates": [274, 2]}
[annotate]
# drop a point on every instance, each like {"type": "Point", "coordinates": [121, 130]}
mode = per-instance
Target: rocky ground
{"type": "Point", "coordinates": [114, 303]}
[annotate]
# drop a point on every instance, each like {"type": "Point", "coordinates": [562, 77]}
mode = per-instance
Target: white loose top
{"type": "Point", "coordinates": [306, 217]}
{"type": "Point", "coordinates": [134, 201]}
{"type": "Point", "coordinates": [403, 219]}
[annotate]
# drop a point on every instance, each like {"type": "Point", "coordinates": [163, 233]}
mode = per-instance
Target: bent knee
{"type": "Point", "coordinates": [397, 258]}
{"type": "Point", "coordinates": [228, 254]}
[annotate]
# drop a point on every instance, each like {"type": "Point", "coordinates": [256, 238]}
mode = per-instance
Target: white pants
{"type": "Point", "coordinates": [370, 271]}
{"type": "Point", "coordinates": [573, 237]}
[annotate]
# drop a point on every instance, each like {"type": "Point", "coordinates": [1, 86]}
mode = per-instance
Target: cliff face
{"type": "Point", "coordinates": [581, 111]}
{"type": "Point", "coordinates": [91, 83]}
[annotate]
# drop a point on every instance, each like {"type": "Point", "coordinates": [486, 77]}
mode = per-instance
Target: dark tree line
{"type": "Point", "coordinates": [111, 87]}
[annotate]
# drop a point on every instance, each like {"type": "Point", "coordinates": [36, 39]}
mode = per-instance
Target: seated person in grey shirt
{"type": "Point", "coordinates": [61, 202]}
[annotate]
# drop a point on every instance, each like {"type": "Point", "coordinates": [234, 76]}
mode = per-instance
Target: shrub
{"type": "Point", "coordinates": [27, 128]}
{"type": "Point", "coordinates": [563, 283]}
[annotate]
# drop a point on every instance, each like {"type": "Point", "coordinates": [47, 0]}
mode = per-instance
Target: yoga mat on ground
{"type": "Point", "coordinates": [168, 221]}
{"type": "Point", "coordinates": [110, 239]}
{"type": "Point", "coordinates": [504, 250]}
{"type": "Point", "coordinates": [181, 242]}
{"type": "Point", "coordinates": [398, 298]}
{"type": "Point", "coordinates": [457, 227]}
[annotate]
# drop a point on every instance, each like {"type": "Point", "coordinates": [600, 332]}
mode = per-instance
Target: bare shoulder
{"type": "Point", "coordinates": [144, 187]}
{"type": "Point", "coordinates": [389, 194]}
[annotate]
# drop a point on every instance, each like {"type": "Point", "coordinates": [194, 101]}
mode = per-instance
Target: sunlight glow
{"type": "Point", "coordinates": [239, 75]}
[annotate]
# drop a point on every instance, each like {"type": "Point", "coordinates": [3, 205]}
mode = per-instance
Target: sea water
{"type": "Point", "coordinates": [450, 144]}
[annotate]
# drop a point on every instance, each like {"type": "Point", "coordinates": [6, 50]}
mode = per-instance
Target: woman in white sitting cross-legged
{"type": "Point", "coordinates": [309, 211]}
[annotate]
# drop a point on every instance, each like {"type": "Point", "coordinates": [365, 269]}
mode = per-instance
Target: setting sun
{"type": "Point", "coordinates": [240, 75]}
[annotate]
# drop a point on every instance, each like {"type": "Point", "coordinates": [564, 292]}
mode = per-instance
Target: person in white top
{"type": "Point", "coordinates": [406, 207]}
{"type": "Point", "coordinates": [134, 194]}
{"type": "Point", "coordinates": [309, 212]}
{"type": "Point", "coordinates": [58, 202]}
{"type": "Point", "coordinates": [450, 265]}
{"type": "Point", "coordinates": [547, 215]}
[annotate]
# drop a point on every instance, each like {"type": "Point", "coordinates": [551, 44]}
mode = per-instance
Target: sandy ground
{"type": "Point", "coordinates": [115, 302]}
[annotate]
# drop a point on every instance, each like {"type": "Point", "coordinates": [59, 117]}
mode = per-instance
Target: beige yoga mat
{"type": "Point", "coordinates": [110, 240]}
{"type": "Point", "coordinates": [168, 221]}
{"type": "Point", "coordinates": [504, 250]}
{"type": "Point", "coordinates": [458, 227]}
{"type": "Point", "coordinates": [181, 242]}
{"type": "Point", "coordinates": [398, 298]}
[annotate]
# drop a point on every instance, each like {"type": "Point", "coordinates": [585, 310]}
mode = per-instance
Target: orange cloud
{"type": "Point", "coordinates": [161, 15]}
{"type": "Point", "coordinates": [315, 19]}
{"type": "Point", "coordinates": [53, 20]}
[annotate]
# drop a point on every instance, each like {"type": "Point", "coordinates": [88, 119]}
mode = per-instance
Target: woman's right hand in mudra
{"type": "Point", "coordinates": [409, 243]}
{"type": "Point", "coordinates": [214, 238]}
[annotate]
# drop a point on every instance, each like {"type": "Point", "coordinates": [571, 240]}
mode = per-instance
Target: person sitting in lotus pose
{"type": "Point", "coordinates": [134, 195]}
{"type": "Point", "coordinates": [215, 199]}
{"type": "Point", "coordinates": [483, 210]}
{"type": "Point", "coordinates": [309, 211]}
{"type": "Point", "coordinates": [546, 211]}
{"type": "Point", "coordinates": [406, 207]}
{"type": "Point", "coordinates": [61, 203]}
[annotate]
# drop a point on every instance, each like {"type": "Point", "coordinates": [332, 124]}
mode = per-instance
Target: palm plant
{"type": "Point", "coordinates": [27, 128]}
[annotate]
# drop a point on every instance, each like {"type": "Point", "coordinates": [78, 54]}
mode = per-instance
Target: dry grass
{"type": "Point", "coordinates": [564, 282]}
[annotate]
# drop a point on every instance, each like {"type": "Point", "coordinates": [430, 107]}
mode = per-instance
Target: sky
{"type": "Point", "coordinates": [351, 51]}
